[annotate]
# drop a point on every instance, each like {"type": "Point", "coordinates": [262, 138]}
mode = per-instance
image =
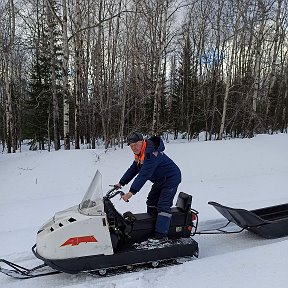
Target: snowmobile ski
{"type": "Point", "coordinates": [21, 272]}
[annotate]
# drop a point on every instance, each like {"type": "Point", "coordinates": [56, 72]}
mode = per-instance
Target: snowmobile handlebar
{"type": "Point", "coordinates": [113, 192]}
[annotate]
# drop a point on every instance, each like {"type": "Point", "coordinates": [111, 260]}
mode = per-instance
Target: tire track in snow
{"type": "Point", "coordinates": [216, 244]}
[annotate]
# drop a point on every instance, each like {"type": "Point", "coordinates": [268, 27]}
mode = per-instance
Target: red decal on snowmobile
{"type": "Point", "coordinates": [77, 240]}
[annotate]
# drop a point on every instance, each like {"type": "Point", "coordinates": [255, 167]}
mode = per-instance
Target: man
{"type": "Point", "coordinates": [152, 164]}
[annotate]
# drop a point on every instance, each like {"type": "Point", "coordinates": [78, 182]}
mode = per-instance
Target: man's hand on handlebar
{"type": "Point", "coordinates": [127, 196]}
{"type": "Point", "coordinates": [117, 186]}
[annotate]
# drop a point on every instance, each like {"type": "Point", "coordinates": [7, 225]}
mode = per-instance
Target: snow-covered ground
{"type": "Point", "coordinates": [243, 173]}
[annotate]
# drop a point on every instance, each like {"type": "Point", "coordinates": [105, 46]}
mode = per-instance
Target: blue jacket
{"type": "Point", "coordinates": [157, 167]}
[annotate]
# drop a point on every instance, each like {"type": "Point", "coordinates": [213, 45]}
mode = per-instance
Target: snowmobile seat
{"type": "Point", "coordinates": [184, 202]}
{"type": "Point", "coordinates": [181, 221]}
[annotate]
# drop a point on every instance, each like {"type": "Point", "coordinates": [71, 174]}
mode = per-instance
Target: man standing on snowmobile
{"type": "Point", "coordinates": [152, 164]}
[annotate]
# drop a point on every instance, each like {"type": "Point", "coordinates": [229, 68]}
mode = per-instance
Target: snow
{"type": "Point", "coordinates": [243, 173]}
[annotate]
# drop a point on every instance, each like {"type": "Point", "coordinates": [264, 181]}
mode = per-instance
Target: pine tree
{"type": "Point", "coordinates": [37, 118]}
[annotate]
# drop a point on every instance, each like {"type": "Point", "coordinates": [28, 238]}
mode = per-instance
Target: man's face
{"type": "Point", "coordinates": [136, 147]}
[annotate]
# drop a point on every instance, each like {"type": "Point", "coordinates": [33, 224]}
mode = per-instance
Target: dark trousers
{"type": "Point", "coordinates": [159, 202]}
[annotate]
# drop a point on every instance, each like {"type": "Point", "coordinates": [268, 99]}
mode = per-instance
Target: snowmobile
{"type": "Point", "coordinates": [94, 237]}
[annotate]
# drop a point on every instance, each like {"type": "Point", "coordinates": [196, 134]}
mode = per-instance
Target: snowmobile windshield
{"type": "Point", "coordinates": [92, 203]}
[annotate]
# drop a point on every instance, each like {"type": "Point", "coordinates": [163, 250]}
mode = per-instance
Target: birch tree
{"type": "Point", "coordinates": [66, 100]}
{"type": "Point", "coordinates": [77, 73]}
{"type": "Point", "coordinates": [276, 44]}
{"type": "Point", "coordinates": [52, 43]}
{"type": "Point", "coordinates": [258, 55]}
{"type": "Point", "coordinates": [230, 63]}
{"type": "Point", "coordinates": [163, 10]}
{"type": "Point", "coordinates": [8, 37]}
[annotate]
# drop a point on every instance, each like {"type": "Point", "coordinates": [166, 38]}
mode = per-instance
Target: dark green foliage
{"type": "Point", "coordinates": [38, 108]}
{"type": "Point", "coordinates": [277, 102]}
{"type": "Point", "coordinates": [239, 111]}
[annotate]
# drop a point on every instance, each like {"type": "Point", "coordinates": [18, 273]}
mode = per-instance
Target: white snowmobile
{"type": "Point", "coordinates": [94, 237]}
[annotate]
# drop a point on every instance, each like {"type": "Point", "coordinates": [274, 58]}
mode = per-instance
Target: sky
{"type": "Point", "coordinates": [241, 173]}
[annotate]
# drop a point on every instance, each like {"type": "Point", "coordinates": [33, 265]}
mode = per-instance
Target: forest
{"type": "Point", "coordinates": [77, 72]}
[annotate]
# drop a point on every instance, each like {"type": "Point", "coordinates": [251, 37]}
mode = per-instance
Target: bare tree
{"type": "Point", "coordinates": [258, 55]}
{"type": "Point", "coordinates": [230, 64]}
{"type": "Point", "coordinates": [8, 37]}
{"type": "Point", "coordinates": [163, 10]}
{"type": "Point", "coordinates": [66, 121]}
{"type": "Point", "coordinates": [77, 43]}
{"type": "Point", "coordinates": [52, 43]}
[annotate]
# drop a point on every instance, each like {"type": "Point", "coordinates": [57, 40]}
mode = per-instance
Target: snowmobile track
{"type": "Point", "coordinates": [20, 272]}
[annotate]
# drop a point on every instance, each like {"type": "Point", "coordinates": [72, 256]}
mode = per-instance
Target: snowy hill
{"type": "Point", "coordinates": [243, 173]}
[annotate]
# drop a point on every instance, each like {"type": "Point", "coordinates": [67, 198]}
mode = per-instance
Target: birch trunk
{"type": "Point", "coordinates": [66, 122]}
{"type": "Point", "coordinates": [284, 112]}
{"type": "Point", "coordinates": [52, 41]}
{"type": "Point", "coordinates": [97, 74]}
{"type": "Point", "coordinates": [156, 105]}
{"type": "Point", "coordinates": [229, 77]}
{"type": "Point", "coordinates": [77, 76]}
{"type": "Point", "coordinates": [124, 92]}
{"type": "Point", "coordinates": [8, 75]}
{"type": "Point", "coordinates": [8, 106]}
{"type": "Point", "coordinates": [276, 46]}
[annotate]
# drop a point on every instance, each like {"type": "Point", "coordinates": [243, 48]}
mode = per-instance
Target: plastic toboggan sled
{"type": "Point", "coordinates": [268, 222]}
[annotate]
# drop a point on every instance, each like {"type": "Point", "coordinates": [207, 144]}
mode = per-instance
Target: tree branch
{"type": "Point", "coordinates": [100, 23]}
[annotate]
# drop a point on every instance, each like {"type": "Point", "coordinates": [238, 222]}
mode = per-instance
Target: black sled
{"type": "Point", "coordinates": [268, 222]}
